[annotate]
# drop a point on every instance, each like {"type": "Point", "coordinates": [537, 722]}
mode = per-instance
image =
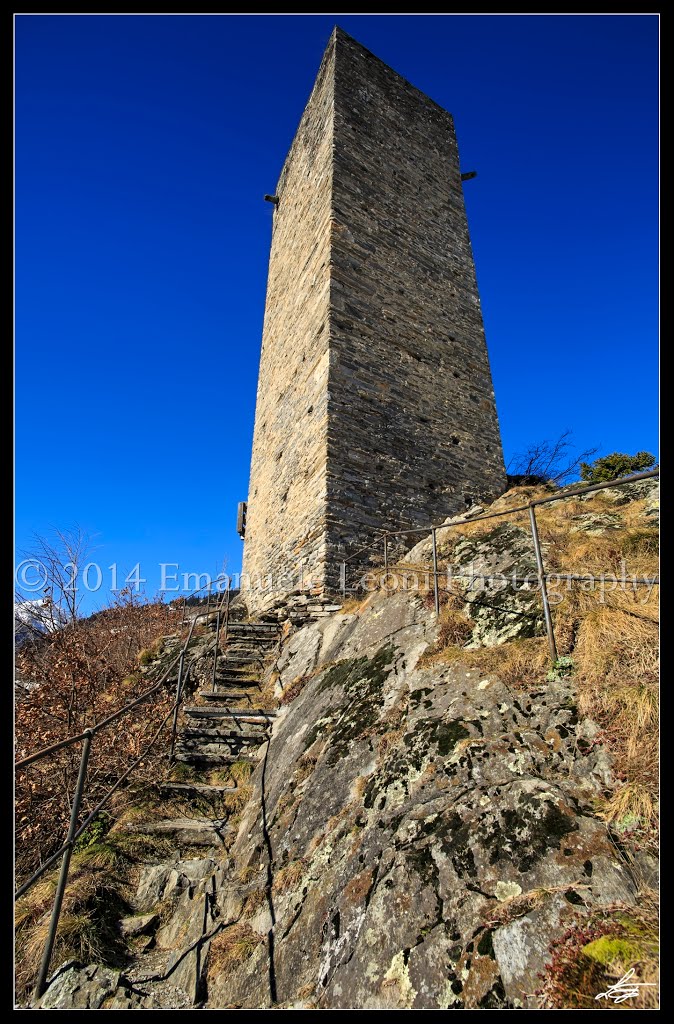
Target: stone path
{"type": "Point", "coordinates": [230, 722]}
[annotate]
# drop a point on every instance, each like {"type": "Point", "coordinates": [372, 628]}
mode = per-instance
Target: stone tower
{"type": "Point", "coordinates": [375, 407]}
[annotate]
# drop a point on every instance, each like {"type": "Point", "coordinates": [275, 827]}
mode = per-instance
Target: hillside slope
{"type": "Point", "coordinates": [439, 818]}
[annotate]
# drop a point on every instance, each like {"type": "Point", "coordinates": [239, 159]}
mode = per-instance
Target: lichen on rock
{"type": "Point", "coordinates": [432, 796]}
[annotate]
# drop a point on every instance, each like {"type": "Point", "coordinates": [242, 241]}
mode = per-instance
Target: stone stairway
{"type": "Point", "coordinates": [230, 722]}
{"type": "Point", "coordinates": [227, 724]}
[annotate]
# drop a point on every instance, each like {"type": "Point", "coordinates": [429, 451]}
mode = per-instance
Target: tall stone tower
{"type": "Point", "coordinates": [375, 407]}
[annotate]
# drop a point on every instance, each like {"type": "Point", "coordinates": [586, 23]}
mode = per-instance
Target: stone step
{"type": "Point", "coordinates": [251, 641]}
{"type": "Point", "coordinates": [223, 698]}
{"type": "Point", "coordinates": [232, 657]}
{"type": "Point", "coordinates": [195, 787]}
{"type": "Point", "coordinates": [236, 631]}
{"type": "Point", "coordinates": [254, 654]}
{"type": "Point", "coordinates": [238, 672]}
{"type": "Point", "coordinates": [230, 693]}
{"type": "Point", "coordinates": [252, 627]}
{"type": "Point", "coordinates": [249, 731]}
{"type": "Point", "coordinates": [232, 686]}
{"type": "Point", "coordinates": [191, 831]}
{"type": "Point", "coordinates": [252, 648]}
{"type": "Point", "coordinates": [226, 712]}
{"type": "Point", "coordinates": [248, 633]}
{"type": "Point", "coordinates": [197, 757]}
{"type": "Point", "coordinates": [251, 638]}
{"type": "Point", "coordinates": [247, 671]}
{"type": "Point", "coordinates": [218, 744]}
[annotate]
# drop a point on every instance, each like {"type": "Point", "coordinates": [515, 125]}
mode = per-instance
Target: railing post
{"type": "Point", "coordinates": [65, 866]}
{"type": "Point", "coordinates": [385, 553]}
{"type": "Point", "coordinates": [208, 602]}
{"type": "Point", "coordinates": [227, 599]}
{"type": "Point", "coordinates": [436, 590]}
{"type": "Point", "coordinates": [544, 589]}
{"type": "Point", "coordinates": [215, 654]}
{"type": "Point", "coordinates": [179, 687]}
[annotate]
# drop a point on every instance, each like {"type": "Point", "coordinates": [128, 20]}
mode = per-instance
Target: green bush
{"type": "Point", "coordinates": [95, 832]}
{"type": "Point", "coordinates": [614, 466]}
{"type": "Point", "coordinates": [562, 668]}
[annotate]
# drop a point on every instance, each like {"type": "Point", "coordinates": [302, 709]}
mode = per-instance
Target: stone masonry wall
{"type": "Point", "coordinates": [413, 433]}
{"type": "Point", "coordinates": [287, 496]}
{"type": "Point", "coordinates": [375, 407]}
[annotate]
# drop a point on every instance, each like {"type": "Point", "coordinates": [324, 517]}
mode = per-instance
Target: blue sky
{"type": "Point", "coordinates": [144, 146]}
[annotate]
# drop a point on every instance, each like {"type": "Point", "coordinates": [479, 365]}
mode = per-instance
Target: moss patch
{"type": "Point", "coordinates": [363, 682]}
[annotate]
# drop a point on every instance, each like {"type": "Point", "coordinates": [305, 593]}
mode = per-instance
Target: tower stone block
{"type": "Point", "coordinates": [375, 408]}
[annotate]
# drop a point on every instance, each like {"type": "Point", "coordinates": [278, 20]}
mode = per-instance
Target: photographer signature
{"type": "Point", "coordinates": [625, 988]}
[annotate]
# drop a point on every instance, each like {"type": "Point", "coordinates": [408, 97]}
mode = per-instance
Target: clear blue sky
{"type": "Point", "coordinates": [144, 146]}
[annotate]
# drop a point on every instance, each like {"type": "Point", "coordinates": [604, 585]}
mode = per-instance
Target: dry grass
{"type": "Point", "coordinates": [293, 689]}
{"type": "Point", "coordinates": [306, 992]}
{"type": "Point", "coordinates": [246, 874]}
{"type": "Point", "coordinates": [358, 887]}
{"type": "Point", "coordinates": [636, 708]}
{"type": "Point", "coordinates": [235, 802]}
{"type": "Point", "coordinates": [520, 664]}
{"type": "Point", "coordinates": [386, 742]}
{"type": "Point", "coordinates": [305, 767]}
{"type": "Point", "coordinates": [254, 901]}
{"type": "Point", "coordinates": [616, 658]}
{"type": "Point", "coordinates": [359, 786]}
{"type": "Point", "coordinates": [632, 807]}
{"type": "Point", "coordinates": [93, 903]}
{"type": "Point", "coordinates": [354, 605]}
{"type": "Point", "coordinates": [240, 771]}
{"type": "Point", "coordinates": [517, 906]}
{"type": "Point", "coordinates": [288, 877]}
{"type": "Point", "coordinates": [268, 697]}
{"type": "Point", "coordinates": [231, 948]}
{"type": "Point", "coordinates": [608, 629]}
{"type": "Point", "coordinates": [182, 772]}
{"type": "Point", "coordinates": [454, 630]}
{"type": "Point", "coordinates": [613, 643]}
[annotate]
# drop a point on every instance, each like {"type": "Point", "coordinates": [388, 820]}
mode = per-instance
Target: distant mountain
{"type": "Point", "coordinates": [36, 618]}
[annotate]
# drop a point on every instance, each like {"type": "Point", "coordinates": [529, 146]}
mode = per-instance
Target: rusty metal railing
{"type": "Point", "coordinates": [86, 738]}
{"type": "Point", "coordinates": [542, 576]}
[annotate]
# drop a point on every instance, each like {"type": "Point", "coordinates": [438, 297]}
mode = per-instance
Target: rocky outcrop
{"type": "Point", "coordinates": [428, 832]}
{"type": "Point", "coordinates": [418, 832]}
{"type": "Point", "coordinates": [175, 902]}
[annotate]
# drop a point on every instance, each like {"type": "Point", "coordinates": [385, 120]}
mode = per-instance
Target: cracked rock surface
{"type": "Point", "coordinates": [430, 831]}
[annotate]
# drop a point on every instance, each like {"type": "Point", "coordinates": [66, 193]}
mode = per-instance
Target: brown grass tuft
{"type": "Point", "coordinates": [93, 903]}
{"type": "Point", "coordinates": [631, 807]}
{"type": "Point", "coordinates": [387, 741]}
{"type": "Point", "coordinates": [235, 802]}
{"type": "Point", "coordinates": [454, 630]}
{"type": "Point", "coordinates": [288, 877]}
{"type": "Point", "coordinates": [240, 771]}
{"type": "Point", "coordinates": [354, 605]}
{"type": "Point", "coordinates": [231, 948]}
{"type": "Point", "coordinates": [613, 643]}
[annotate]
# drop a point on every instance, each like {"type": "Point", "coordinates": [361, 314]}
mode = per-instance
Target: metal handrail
{"type": "Point", "coordinates": [69, 740]}
{"type": "Point", "coordinates": [98, 726]}
{"type": "Point", "coordinates": [86, 738]}
{"type": "Point", "coordinates": [524, 508]}
{"type": "Point", "coordinates": [542, 576]}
